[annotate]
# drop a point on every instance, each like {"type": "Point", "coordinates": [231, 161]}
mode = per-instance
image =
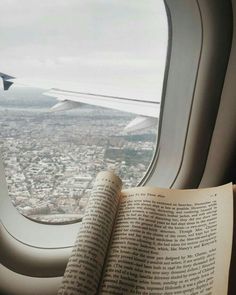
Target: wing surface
{"type": "Point", "coordinates": [146, 110]}
{"type": "Point", "coordinates": [135, 106]}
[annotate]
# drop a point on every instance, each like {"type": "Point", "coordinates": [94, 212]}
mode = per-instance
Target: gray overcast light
{"type": "Point", "coordinates": [114, 42]}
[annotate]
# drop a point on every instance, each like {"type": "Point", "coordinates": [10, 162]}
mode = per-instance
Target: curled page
{"type": "Point", "coordinates": [84, 269]}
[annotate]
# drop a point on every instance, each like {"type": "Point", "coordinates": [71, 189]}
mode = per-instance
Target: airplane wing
{"type": "Point", "coordinates": [147, 111]}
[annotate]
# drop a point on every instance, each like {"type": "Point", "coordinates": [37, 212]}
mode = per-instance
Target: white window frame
{"type": "Point", "coordinates": [189, 106]}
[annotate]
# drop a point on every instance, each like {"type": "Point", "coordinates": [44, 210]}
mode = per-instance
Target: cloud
{"type": "Point", "coordinates": [115, 41]}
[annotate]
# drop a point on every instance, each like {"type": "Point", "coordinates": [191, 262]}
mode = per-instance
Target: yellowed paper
{"type": "Point", "coordinates": [84, 268]}
{"type": "Point", "coordinates": [170, 242]}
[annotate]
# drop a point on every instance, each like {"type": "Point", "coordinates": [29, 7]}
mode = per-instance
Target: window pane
{"type": "Point", "coordinates": [115, 48]}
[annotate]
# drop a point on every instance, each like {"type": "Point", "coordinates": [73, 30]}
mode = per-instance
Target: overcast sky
{"type": "Point", "coordinates": [120, 42]}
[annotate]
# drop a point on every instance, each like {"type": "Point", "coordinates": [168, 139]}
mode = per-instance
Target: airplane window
{"type": "Point", "coordinates": [87, 84]}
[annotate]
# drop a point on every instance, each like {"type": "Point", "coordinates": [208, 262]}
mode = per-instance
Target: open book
{"type": "Point", "coordinates": [152, 241]}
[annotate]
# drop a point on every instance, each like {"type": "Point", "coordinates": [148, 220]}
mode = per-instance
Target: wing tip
{"type": "Point", "coordinates": [6, 83]}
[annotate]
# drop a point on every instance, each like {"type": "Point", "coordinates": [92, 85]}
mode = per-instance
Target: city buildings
{"type": "Point", "coordinates": [51, 159]}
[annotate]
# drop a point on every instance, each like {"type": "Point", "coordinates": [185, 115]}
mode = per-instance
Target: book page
{"type": "Point", "coordinates": [84, 269]}
{"type": "Point", "coordinates": [170, 242]}
{"type": "Point", "coordinates": [232, 272]}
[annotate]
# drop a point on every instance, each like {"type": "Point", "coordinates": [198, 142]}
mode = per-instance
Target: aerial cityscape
{"type": "Point", "coordinates": [52, 158]}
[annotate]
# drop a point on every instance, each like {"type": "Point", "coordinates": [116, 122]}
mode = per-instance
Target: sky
{"type": "Point", "coordinates": [118, 43]}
